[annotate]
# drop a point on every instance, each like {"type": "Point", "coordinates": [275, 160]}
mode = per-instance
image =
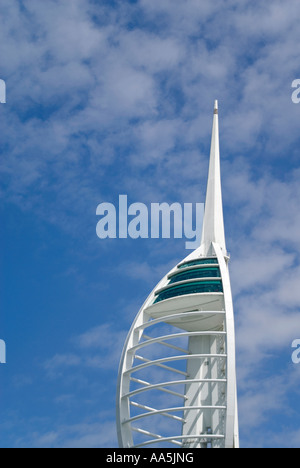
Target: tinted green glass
{"type": "Point", "coordinates": [212, 272]}
{"type": "Point", "coordinates": [190, 288]}
{"type": "Point", "coordinates": [204, 261]}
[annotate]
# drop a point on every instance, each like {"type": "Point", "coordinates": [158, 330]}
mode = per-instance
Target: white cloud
{"type": "Point", "coordinates": [100, 75]}
{"type": "Point", "coordinates": [85, 434]}
{"type": "Point", "coordinates": [98, 348]}
{"type": "Point", "coordinates": [54, 365]}
{"type": "Point", "coordinates": [265, 396]}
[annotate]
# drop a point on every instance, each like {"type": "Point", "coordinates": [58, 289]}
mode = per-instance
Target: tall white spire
{"type": "Point", "coordinates": [194, 300]}
{"type": "Point", "coordinates": [213, 223]}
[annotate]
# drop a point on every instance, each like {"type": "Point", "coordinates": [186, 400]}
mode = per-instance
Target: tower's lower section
{"type": "Point", "coordinates": [207, 391]}
{"type": "Point", "coordinates": [177, 383]}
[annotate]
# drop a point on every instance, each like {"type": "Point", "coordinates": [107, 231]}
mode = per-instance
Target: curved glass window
{"type": "Point", "coordinates": [203, 261]}
{"type": "Point", "coordinates": [213, 272]}
{"type": "Point", "coordinates": [190, 288]}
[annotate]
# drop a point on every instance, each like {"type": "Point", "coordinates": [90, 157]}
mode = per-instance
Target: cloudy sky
{"type": "Point", "coordinates": [114, 97]}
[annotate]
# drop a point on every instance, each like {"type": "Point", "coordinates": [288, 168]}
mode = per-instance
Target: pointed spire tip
{"type": "Point", "coordinates": [213, 223]}
{"type": "Point", "coordinates": [216, 107]}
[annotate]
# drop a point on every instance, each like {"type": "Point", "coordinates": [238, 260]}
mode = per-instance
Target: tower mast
{"type": "Point", "coordinates": [182, 343]}
{"type": "Point", "coordinates": [213, 223]}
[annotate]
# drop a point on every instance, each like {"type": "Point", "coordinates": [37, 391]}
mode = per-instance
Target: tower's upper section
{"type": "Point", "coordinates": [213, 223]}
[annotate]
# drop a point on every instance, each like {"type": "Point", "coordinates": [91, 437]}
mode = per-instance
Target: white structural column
{"type": "Point", "coordinates": [197, 394]}
{"type": "Point", "coordinates": [177, 376]}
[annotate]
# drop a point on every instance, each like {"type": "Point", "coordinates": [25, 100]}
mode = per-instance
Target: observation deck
{"type": "Point", "coordinates": [193, 286]}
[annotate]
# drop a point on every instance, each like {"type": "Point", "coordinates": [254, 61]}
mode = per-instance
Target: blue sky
{"type": "Point", "coordinates": [116, 97]}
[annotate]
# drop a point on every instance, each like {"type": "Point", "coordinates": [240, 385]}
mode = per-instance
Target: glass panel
{"type": "Point", "coordinates": [212, 272]}
{"type": "Point", "coordinates": [203, 261]}
{"type": "Point", "coordinates": [190, 288]}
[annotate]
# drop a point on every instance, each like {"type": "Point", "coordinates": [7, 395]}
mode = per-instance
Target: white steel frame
{"type": "Point", "coordinates": [201, 410]}
{"type": "Point", "coordinates": [132, 362]}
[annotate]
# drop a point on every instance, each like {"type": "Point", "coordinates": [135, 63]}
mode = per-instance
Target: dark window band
{"type": "Point", "coordinates": [190, 288]}
{"type": "Point", "coordinates": [213, 272]}
{"type": "Point", "coordinates": [203, 261]}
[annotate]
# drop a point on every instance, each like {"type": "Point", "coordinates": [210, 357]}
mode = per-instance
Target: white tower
{"type": "Point", "coordinates": [177, 378]}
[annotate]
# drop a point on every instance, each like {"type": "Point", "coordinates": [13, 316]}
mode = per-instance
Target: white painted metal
{"type": "Point", "coordinates": [213, 225]}
{"type": "Point", "coordinates": [183, 378]}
